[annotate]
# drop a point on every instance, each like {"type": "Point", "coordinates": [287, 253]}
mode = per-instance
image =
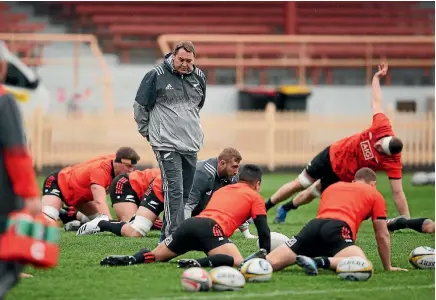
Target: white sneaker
{"type": "Point", "coordinates": [92, 226]}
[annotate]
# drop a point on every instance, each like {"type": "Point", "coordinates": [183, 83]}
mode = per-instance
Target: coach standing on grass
{"type": "Point", "coordinates": [166, 109]}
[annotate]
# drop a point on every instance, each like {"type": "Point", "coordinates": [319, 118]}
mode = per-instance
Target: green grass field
{"type": "Point", "coordinates": [79, 275]}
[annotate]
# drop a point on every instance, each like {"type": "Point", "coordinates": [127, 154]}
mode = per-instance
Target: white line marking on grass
{"type": "Point", "coordinates": [234, 295]}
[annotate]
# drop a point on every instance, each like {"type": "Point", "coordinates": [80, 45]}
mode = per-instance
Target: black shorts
{"type": "Point", "coordinates": [321, 237]}
{"type": "Point", "coordinates": [196, 234]}
{"type": "Point", "coordinates": [121, 191]}
{"type": "Point", "coordinates": [321, 168]}
{"type": "Point", "coordinates": [151, 201]}
{"type": "Point", "coordinates": [51, 187]}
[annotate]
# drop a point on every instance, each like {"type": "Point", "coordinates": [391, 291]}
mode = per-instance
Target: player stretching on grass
{"type": "Point", "coordinates": [84, 185]}
{"type": "Point", "coordinates": [209, 232]}
{"type": "Point", "coordinates": [376, 148]}
{"type": "Point", "coordinates": [210, 175]}
{"type": "Point", "coordinates": [330, 236]}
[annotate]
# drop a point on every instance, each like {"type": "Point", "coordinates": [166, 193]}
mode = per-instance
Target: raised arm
{"type": "Point", "coordinates": [376, 94]}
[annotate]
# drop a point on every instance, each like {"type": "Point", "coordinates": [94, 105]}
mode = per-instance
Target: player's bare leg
{"type": "Point", "coordinates": [281, 257]}
{"type": "Point", "coordinates": [140, 226]}
{"type": "Point", "coordinates": [302, 198]}
{"type": "Point", "coordinates": [332, 262]}
{"type": "Point", "coordinates": [125, 211]}
{"type": "Point", "coordinates": [224, 255]}
{"type": "Point", "coordinates": [50, 206]}
{"type": "Point", "coordinates": [287, 190]}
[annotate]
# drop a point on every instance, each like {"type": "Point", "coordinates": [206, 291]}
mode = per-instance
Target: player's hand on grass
{"type": "Point", "coordinates": [33, 206]}
{"type": "Point", "coordinates": [382, 70]}
{"type": "Point", "coordinates": [397, 269]}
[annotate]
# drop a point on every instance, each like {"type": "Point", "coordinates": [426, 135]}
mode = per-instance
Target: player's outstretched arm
{"type": "Point", "coordinates": [376, 94]}
{"type": "Point", "coordinates": [399, 197]}
{"type": "Point", "coordinates": [384, 244]}
{"type": "Point", "coordinates": [263, 232]}
{"type": "Point", "coordinates": [99, 197]}
{"type": "Point", "coordinates": [203, 183]}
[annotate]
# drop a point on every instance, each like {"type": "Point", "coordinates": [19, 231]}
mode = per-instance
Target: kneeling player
{"type": "Point", "coordinates": [84, 185]}
{"type": "Point", "coordinates": [209, 232]}
{"type": "Point", "coordinates": [127, 190]}
{"type": "Point", "coordinates": [146, 214]}
{"type": "Point", "coordinates": [330, 237]}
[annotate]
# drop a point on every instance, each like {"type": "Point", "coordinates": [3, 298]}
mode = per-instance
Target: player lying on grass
{"type": "Point", "coordinates": [209, 232]}
{"type": "Point", "coordinates": [226, 165]}
{"type": "Point", "coordinates": [423, 225]}
{"type": "Point", "coordinates": [331, 235]}
{"type": "Point", "coordinates": [84, 185]}
{"type": "Point", "coordinates": [376, 148]}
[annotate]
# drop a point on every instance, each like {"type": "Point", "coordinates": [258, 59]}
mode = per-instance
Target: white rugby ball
{"type": "Point", "coordinates": [422, 257]}
{"type": "Point", "coordinates": [420, 178]}
{"type": "Point", "coordinates": [226, 279]}
{"type": "Point", "coordinates": [277, 239]}
{"type": "Point", "coordinates": [355, 268]}
{"type": "Point", "coordinates": [257, 270]}
{"type": "Point", "coordinates": [196, 280]}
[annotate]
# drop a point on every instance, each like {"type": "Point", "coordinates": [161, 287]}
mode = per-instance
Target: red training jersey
{"type": "Point", "coordinates": [351, 203]}
{"type": "Point", "coordinates": [350, 154]}
{"type": "Point", "coordinates": [232, 205]}
{"type": "Point", "coordinates": [75, 181]}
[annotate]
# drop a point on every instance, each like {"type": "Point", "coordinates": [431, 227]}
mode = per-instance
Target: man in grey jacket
{"type": "Point", "coordinates": [166, 109]}
{"type": "Point", "coordinates": [211, 175]}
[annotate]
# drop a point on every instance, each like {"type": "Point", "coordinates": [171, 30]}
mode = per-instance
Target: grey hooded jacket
{"type": "Point", "coordinates": [206, 182]}
{"type": "Point", "coordinates": [167, 107]}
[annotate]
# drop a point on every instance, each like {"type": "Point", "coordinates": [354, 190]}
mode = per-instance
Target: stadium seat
{"type": "Point", "coordinates": [17, 23]}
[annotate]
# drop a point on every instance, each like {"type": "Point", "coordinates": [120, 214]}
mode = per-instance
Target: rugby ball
{"type": "Point", "coordinates": [420, 178]}
{"type": "Point", "coordinates": [422, 258]}
{"type": "Point", "coordinates": [277, 239]}
{"type": "Point", "coordinates": [354, 268]}
{"type": "Point", "coordinates": [257, 270]}
{"type": "Point", "coordinates": [226, 279]}
{"type": "Point", "coordinates": [196, 280]}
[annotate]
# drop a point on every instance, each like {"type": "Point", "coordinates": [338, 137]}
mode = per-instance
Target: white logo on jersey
{"type": "Point", "coordinates": [366, 149]}
{"type": "Point", "coordinates": [209, 193]}
{"type": "Point", "coordinates": [169, 87]}
{"type": "Point", "coordinates": [220, 239]}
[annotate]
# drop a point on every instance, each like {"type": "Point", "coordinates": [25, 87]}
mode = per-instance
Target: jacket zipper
{"type": "Point", "coordinates": [184, 90]}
